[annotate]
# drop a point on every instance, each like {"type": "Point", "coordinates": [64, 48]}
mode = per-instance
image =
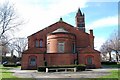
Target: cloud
{"type": "Point", "coordinates": [103, 22]}
{"type": "Point", "coordinates": [41, 13]}
{"type": "Point", "coordinates": [98, 41]}
{"type": "Point", "coordinates": [104, 0]}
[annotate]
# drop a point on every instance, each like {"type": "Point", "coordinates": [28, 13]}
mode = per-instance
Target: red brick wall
{"type": "Point", "coordinates": [81, 37]}
{"type": "Point", "coordinates": [91, 37]}
{"type": "Point", "coordinates": [53, 40]}
{"type": "Point", "coordinates": [60, 59]}
{"type": "Point", "coordinates": [25, 60]}
{"type": "Point", "coordinates": [96, 59]}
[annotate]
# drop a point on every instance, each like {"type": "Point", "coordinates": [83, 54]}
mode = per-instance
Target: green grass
{"type": "Point", "coordinates": [114, 74]}
{"type": "Point", "coordinates": [6, 73]}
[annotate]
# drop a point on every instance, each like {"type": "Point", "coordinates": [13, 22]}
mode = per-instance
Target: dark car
{"type": "Point", "coordinates": [5, 63]}
{"type": "Point", "coordinates": [18, 63]}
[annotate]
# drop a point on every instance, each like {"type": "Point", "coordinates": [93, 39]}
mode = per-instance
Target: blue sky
{"type": "Point", "coordinates": [94, 12]}
{"type": "Point", "coordinates": [101, 16]}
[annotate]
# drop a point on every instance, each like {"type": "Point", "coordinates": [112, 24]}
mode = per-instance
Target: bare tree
{"type": "Point", "coordinates": [4, 49]}
{"type": "Point", "coordinates": [112, 44]}
{"type": "Point", "coordinates": [105, 48]}
{"type": "Point", "coordinates": [115, 44]}
{"type": "Point", "coordinates": [103, 51]}
{"type": "Point", "coordinates": [19, 45]}
{"type": "Point", "coordinates": [9, 20]}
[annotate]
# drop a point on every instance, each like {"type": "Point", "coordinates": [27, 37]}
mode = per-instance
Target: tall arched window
{"type": "Point", "coordinates": [61, 47]}
{"type": "Point", "coordinates": [36, 43]}
{"type": "Point", "coordinates": [73, 47]}
{"type": "Point", "coordinates": [41, 43]}
{"type": "Point", "coordinates": [32, 61]}
{"type": "Point", "coordinates": [89, 60]}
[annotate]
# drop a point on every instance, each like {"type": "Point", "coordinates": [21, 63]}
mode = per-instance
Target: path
{"type": "Point", "coordinates": [90, 73]}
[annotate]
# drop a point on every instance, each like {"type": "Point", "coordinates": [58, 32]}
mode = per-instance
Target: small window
{"type": "Point", "coordinates": [33, 61]}
{"type": "Point", "coordinates": [73, 48]}
{"type": "Point", "coordinates": [41, 43]}
{"type": "Point", "coordinates": [89, 60]}
{"type": "Point", "coordinates": [37, 43]}
{"type": "Point", "coordinates": [61, 47]}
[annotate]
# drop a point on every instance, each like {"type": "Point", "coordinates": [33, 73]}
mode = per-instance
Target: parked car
{"type": "Point", "coordinates": [5, 63]}
{"type": "Point", "coordinates": [18, 63]}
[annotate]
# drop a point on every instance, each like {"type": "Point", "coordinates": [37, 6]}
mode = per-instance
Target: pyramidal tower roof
{"type": "Point", "coordinates": [79, 12]}
{"type": "Point", "coordinates": [60, 30]}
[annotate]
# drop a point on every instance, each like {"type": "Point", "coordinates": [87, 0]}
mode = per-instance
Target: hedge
{"type": "Point", "coordinates": [109, 63]}
{"type": "Point", "coordinates": [79, 67]}
{"type": "Point", "coordinates": [10, 65]}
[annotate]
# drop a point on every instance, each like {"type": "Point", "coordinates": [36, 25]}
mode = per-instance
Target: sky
{"type": "Point", "coordinates": [100, 16]}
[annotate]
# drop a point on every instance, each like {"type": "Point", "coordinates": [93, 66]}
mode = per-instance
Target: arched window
{"type": "Point", "coordinates": [36, 43]}
{"type": "Point", "coordinates": [61, 47]}
{"type": "Point", "coordinates": [32, 61]}
{"type": "Point", "coordinates": [41, 43]}
{"type": "Point", "coordinates": [73, 47]}
{"type": "Point", "coordinates": [89, 60]}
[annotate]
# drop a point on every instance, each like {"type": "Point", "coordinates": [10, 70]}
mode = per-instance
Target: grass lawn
{"type": "Point", "coordinates": [114, 74]}
{"type": "Point", "coordinates": [5, 73]}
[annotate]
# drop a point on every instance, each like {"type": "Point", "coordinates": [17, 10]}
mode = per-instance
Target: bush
{"type": "Point", "coordinates": [41, 68]}
{"type": "Point", "coordinates": [9, 65]}
{"type": "Point", "coordinates": [80, 67]}
{"type": "Point", "coordinates": [90, 66]}
{"type": "Point", "coordinates": [109, 63]}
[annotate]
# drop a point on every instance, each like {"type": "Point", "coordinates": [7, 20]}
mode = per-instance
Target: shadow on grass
{"type": "Point", "coordinates": [7, 72]}
{"type": "Point", "coordinates": [111, 66]}
{"type": "Point", "coordinates": [4, 68]}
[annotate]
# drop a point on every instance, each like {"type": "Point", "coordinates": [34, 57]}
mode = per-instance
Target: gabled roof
{"type": "Point", "coordinates": [51, 26]}
{"type": "Point", "coordinates": [58, 22]}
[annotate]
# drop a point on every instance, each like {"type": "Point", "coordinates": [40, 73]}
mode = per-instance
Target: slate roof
{"type": "Point", "coordinates": [60, 30]}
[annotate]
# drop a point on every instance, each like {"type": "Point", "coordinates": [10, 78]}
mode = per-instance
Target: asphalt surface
{"type": "Point", "coordinates": [89, 73]}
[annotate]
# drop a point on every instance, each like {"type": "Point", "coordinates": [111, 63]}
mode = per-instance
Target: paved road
{"type": "Point", "coordinates": [90, 73]}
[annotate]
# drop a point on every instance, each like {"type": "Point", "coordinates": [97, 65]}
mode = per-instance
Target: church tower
{"type": "Point", "coordinates": [80, 22]}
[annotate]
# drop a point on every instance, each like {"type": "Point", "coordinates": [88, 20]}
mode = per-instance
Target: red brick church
{"type": "Point", "coordinates": [61, 44]}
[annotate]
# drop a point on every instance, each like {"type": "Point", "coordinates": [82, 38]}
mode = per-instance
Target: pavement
{"type": "Point", "coordinates": [89, 73]}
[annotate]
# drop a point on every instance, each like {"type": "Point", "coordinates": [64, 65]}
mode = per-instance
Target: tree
{"type": "Point", "coordinates": [105, 48]}
{"type": "Point", "coordinates": [112, 44]}
{"type": "Point", "coordinates": [9, 20]}
{"type": "Point", "coordinates": [115, 44]}
{"type": "Point", "coordinates": [5, 49]}
{"type": "Point", "coordinates": [19, 45]}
